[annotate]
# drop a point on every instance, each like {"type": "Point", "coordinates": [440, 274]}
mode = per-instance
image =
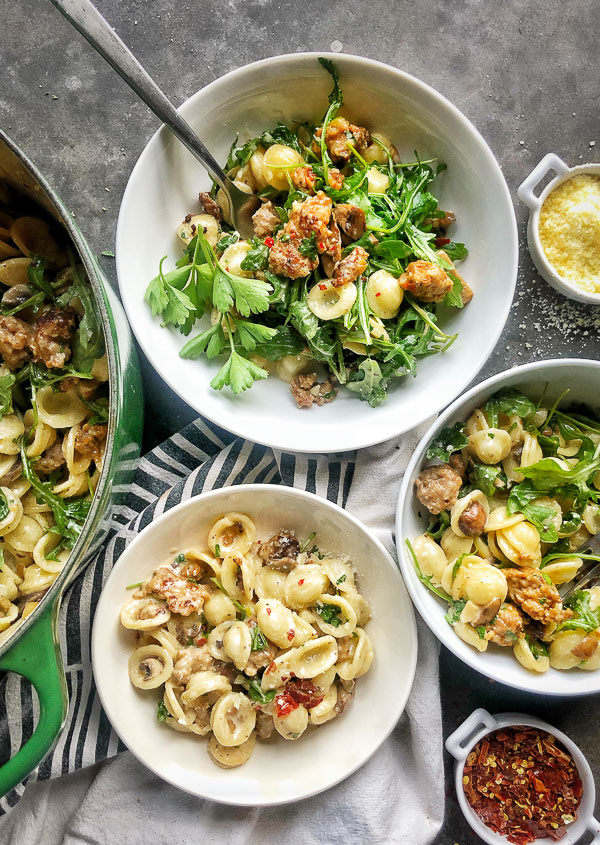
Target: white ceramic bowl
{"type": "Point", "coordinates": [526, 193]}
{"type": "Point", "coordinates": [163, 187]}
{"type": "Point", "coordinates": [479, 724]}
{"type": "Point", "coordinates": [582, 377]}
{"type": "Point", "coordinates": [278, 771]}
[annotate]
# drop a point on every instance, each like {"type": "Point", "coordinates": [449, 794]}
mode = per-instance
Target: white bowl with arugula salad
{"type": "Point", "coordinates": [495, 511]}
{"type": "Point", "coordinates": [380, 271]}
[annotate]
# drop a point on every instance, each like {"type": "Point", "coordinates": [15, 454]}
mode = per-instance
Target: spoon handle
{"type": "Point", "coordinates": [89, 22]}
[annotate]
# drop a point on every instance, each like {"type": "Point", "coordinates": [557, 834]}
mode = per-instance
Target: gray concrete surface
{"type": "Point", "coordinates": [524, 72]}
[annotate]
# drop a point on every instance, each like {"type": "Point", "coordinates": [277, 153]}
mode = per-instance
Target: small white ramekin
{"type": "Point", "coordinates": [526, 193]}
{"type": "Point", "coordinates": [479, 724]}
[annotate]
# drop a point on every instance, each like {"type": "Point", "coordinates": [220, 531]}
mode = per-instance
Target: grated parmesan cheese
{"type": "Point", "coordinates": [569, 230]}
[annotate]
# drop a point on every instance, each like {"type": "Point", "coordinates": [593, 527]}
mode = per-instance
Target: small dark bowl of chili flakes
{"type": "Point", "coordinates": [520, 781]}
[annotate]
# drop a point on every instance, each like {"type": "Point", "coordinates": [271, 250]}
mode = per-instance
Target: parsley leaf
{"type": "Point", "coordinates": [257, 258]}
{"type": "Point", "coordinates": [330, 614]}
{"type": "Point", "coordinates": [450, 439]}
{"type": "Point", "coordinates": [238, 372]}
{"type": "Point", "coordinates": [308, 247]}
{"type": "Point", "coordinates": [255, 690]}
{"type": "Point", "coordinates": [454, 612]}
{"type": "Point", "coordinates": [161, 712]}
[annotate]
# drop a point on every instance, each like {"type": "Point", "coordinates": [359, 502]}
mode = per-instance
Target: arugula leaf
{"type": "Point", "coordinates": [227, 239]}
{"type": "Point", "coordinates": [330, 614]}
{"type": "Point", "coordinates": [547, 475]}
{"type": "Point", "coordinates": [456, 251]}
{"type": "Point", "coordinates": [548, 444]}
{"type": "Point", "coordinates": [99, 408]}
{"type": "Point", "coordinates": [587, 619]}
{"type": "Point", "coordinates": [303, 319]}
{"type": "Point", "coordinates": [335, 97]}
{"type": "Point", "coordinates": [238, 372]}
{"type": "Point", "coordinates": [6, 385]}
{"type": "Point", "coordinates": [238, 605]}
{"type": "Point", "coordinates": [454, 612]}
{"type": "Point", "coordinates": [36, 278]}
{"type": "Point", "coordinates": [369, 383]}
{"type": "Point", "coordinates": [509, 402]}
{"type": "Point", "coordinates": [162, 713]}
{"type": "Point", "coordinates": [521, 499]}
{"type": "Point", "coordinates": [88, 344]}
{"type": "Point", "coordinates": [68, 516]}
{"type": "Point", "coordinates": [438, 525]}
{"type": "Point", "coordinates": [450, 439]}
{"type": "Point", "coordinates": [4, 507]}
{"type": "Point", "coordinates": [392, 248]}
{"type": "Point", "coordinates": [484, 477]}
{"type": "Point", "coordinates": [285, 342]}
{"type": "Point", "coordinates": [259, 641]}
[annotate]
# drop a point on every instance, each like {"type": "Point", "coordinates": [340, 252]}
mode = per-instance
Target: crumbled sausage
{"type": "Point", "coordinates": [344, 699]}
{"type": "Point", "coordinates": [310, 216]}
{"type": "Point", "coordinates": [538, 599]}
{"type": "Point", "coordinates": [472, 520]}
{"type": "Point", "coordinates": [182, 596]}
{"type": "Point", "coordinates": [441, 222]}
{"type": "Point", "coordinates": [587, 647]}
{"type": "Point", "coordinates": [91, 440]}
{"type": "Point", "coordinates": [350, 268]}
{"type": "Point", "coordinates": [336, 139]}
{"type": "Point", "coordinates": [507, 627]}
{"type": "Point", "coordinates": [190, 660]}
{"type": "Point", "coordinates": [86, 388]}
{"type": "Point", "coordinates": [209, 206]}
{"type": "Point", "coordinates": [283, 546]}
{"type": "Point", "coordinates": [264, 725]}
{"type": "Point", "coordinates": [285, 259]}
{"type": "Point", "coordinates": [426, 281]}
{"type": "Point", "coordinates": [51, 459]}
{"type": "Point", "coordinates": [15, 338]}
{"type": "Point", "coordinates": [51, 335]}
{"type": "Point", "coordinates": [335, 179]}
{"type": "Point", "coordinates": [306, 390]}
{"type": "Point", "coordinates": [437, 488]}
{"type": "Point", "coordinates": [265, 220]}
{"type": "Point", "coordinates": [260, 659]}
{"type": "Point", "coordinates": [304, 179]}
{"type": "Point", "coordinates": [351, 220]}
{"type": "Point", "coordinates": [457, 462]}
{"type": "Point", "coordinates": [331, 245]}
{"type": "Point", "coordinates": [466, 293]}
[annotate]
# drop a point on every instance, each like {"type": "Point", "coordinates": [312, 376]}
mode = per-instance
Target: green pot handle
{"type": "Point", "coordinates": [36, 656]}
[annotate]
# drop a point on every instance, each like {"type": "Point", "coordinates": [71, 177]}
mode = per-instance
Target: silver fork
{"type": "Point", "coordinates": [89, 22]}
{"type": "Point", "coordinates": [590, 572]}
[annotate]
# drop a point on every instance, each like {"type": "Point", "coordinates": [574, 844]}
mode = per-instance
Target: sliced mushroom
{"type": "Point", "coordinates": [16, 296]}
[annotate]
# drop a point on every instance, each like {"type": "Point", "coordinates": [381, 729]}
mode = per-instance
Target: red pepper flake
{"type": "Point", "coordinates": [201, 641]}
{"type": "Point", "coordinates": [378, 293]}
{"type": "Point", "coordinates": [322, 287]}
{"type": "Point", "coordinates": [293, 236]}
{"type": "Point", "coordinates": [321, 246]}
{"type": "Point", "coordinates": [523, 784]}
{"type": "Point", "coordinates": [301, 581]}
{"type": "Point", "coordinates": [268, 611]}
{"type": "Point", "coordinates": [285, 704]}
{"type": "Point", "coordinates": [291, 634]}
{"type": "Point", "coordinates": [271, 667]}
{"type": "Point", "coordinates": [442, 241]}
{"type": "Point", "coordinates": [270, 242]}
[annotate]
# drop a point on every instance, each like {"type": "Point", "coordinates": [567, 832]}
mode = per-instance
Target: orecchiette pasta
{"type": "Point", "coordinates": [328, 302]}
{"type": "Point", "coordinates": [253, 635]}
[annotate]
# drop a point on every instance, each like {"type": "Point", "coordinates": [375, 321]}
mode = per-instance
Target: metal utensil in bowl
{"type": "Point", "coordinates": [89, 22]}
{"type": "Point", "coordinates": [32, 649]}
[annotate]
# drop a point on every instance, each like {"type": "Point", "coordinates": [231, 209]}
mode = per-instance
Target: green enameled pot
{"type": "Point", "coordinates": [32, 650]}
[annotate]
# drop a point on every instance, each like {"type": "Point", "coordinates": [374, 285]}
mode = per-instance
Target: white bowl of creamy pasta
{"type": "Point", "coordinates": [521, 558]}
{"type": "Point", "coordinates": [163, 191]}
{"type": "Point", "coordinates": [295, 626]}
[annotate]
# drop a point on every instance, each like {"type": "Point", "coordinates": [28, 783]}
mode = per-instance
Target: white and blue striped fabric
{"type": "Point", "coordinates": [201, 457]}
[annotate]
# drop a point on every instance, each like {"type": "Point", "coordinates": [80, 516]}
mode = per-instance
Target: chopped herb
{"type": "Point", "coordinates": [134, 586]}
{"type": "Point", "coordinates": [426, 579]}
{"type": "Point", "coordinates": [217, 550]}
{"type": "Point", "coordinates": [237, 604]}
{"type": "Point", "coordinates": [180, 558]}
{"type": "Point", "coordinates": [454, 612]}
{"type": "Point", "coordinates": [330, 614]}
{"type": "Point", "coordinates": [255, 691]}
{"type": "Point", "coordinates": [107, 253]}
{"type": "Point", "coordinates": [341, 579]}
{"type": "Point", "coordinates": [309, 539]}
{"type": "Point", "coordinates": [162, 713]}
{"type": "Point", "coordinates": [259, 641]}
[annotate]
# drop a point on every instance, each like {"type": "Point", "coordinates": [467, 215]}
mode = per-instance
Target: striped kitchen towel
{"type": "Point", "coordinates": [203, 457]}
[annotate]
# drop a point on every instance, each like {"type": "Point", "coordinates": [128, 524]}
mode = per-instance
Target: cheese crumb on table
{"type": "Point", "coordinates": [569, 230]}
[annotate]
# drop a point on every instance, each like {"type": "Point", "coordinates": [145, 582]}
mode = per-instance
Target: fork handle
{"type": "Point", "coordinates": [89, 22]}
